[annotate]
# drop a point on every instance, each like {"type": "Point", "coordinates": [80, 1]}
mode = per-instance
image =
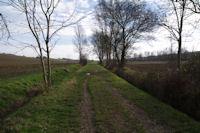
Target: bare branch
{"type": "Point", "coordinates": [4, 26]}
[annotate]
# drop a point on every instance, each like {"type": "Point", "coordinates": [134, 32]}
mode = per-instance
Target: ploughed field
{"type": "Point", "coordinates": [87, 99]}
{"type": "Point", "coordinates": [150, 66]}
{"type": "Point", "coordinates": [11, 65]}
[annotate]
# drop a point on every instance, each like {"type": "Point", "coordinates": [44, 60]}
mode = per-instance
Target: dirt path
{"type": "Point", "coordinates": [148, 124]}
{"type": "Point", "coordinates": [87, 113]}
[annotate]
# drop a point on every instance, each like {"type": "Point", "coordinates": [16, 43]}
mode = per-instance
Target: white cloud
{"type": "Point", "coordinates": [83, 3]}
{"type": "Point", "coordinates": [162, 42]}
{"type": "Point", "coordinates": [60, 51]}
{"type": "Point", "coordinates": [18, 51]}
{"type": "Point", "coordinates": [66, 7]}
{"type": "Point", "coordinates": [87, 23]}
{"type": "Point", "coordinates": [64, 51]}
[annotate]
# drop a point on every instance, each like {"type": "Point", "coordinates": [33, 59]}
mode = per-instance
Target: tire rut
{"type": "Point", "coordinates": [87, 113]}
{"type": "Point", "coordinates": [149, 125]}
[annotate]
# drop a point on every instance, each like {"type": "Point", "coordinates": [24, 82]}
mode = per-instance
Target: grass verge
{"type": "Point", "coordinates": [55, 111]}
{"type": "Point", "coordinates": [14, 90]}
{"type": "Point", "coordinates": [156, 109]}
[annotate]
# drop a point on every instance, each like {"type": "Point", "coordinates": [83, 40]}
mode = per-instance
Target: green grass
{"type": "Point", "coordinates": [55, 111]}
{"type": "Point", "coordinates": [74, 67]}
{"type": "Point", "coordinates": [15, 89]}
{"type": "Point", "coordinates": [58, 110]}
{"type": "Point", "coordinates": [157, 110]}
{"type": "Point", "coordinates": [110, 115]}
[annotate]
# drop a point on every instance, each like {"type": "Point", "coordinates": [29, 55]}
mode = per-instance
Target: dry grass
{"type": "Point", "coordinates": [177, 88]}
{"type": "Point", "coordinates": [147, 66]}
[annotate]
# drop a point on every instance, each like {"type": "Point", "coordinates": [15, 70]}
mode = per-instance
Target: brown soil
{"type": "Point", "coordinates": [149, 125]}
{"type": "Point", "coordinates": [87, 113]}
{"type": "Point", "coordinates": [11, 65]}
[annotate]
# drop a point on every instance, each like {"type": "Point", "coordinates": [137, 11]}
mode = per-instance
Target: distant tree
{"type": "Point", "coordinates": [135, 55]}
{"type": "Point", "coordinates": [105, 31]}
{"type": "Point", "coordinates": [140, 56]}
{"type": "Point", "coordinates": [97, 40]}
{"type": "Point", "coordinates": [152, 54]}
{"type": "Point", "coordinates": [175, 25]}
{"type": "Point", "coordinates": [147, 53]}
{"type": "Point", "coordinates": [80, 41]}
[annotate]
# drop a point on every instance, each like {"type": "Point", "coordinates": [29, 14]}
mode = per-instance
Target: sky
{"type": "Point", "coordinates": [21, 36]}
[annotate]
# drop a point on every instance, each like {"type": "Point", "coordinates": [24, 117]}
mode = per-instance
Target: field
{"type": "Point", "coordinates": [85, 99]}
{"type": "Point", "coordinates": [148, 66]}
{"type": "Point", "coordinates": [11, 65]}
{"type": "Point", "coordinates": [180, 89]}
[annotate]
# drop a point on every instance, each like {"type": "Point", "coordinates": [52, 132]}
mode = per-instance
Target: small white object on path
{"type": "Point", "coordinates": [88, 74]}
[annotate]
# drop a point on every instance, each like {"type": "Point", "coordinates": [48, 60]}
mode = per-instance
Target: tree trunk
{"type": "Point", "coordinates": [116, 55]}
{"type": "Point", "coordinates": [179, 53]}
{"type": "Point", "coordinates": [180, 35]}
{"type": "Point", "coordinates": [122, 61]}
{"type": "Point", "coordinates": [49, 67]}
{"type": "Point", "coordinates": [107, 57]}
{"type": "Point", "coordinates": [79, 58]}
{"type": "Point", "coordinates": [43, 65]}
{"type": "Point", "coordinates": [109, 53]}
{"type": "Point", "coordinates": [43, 68]}
{"type": "Point", "coordinates": [100, 61]}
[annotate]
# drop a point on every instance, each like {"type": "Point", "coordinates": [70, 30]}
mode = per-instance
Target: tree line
{"type": "Point", "coordinates": [123, 23]}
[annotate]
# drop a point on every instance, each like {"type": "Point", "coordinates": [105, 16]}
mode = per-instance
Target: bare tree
{"type": "Point", "coordinates": [80, 41]}
{"type": "Point", "coordinates": [97, 40]}
{"type": "Point", "coordinates": [176, 27]}
{"type": "Point", "coordinates": [128, 21]}
{"type": "Point", "coordinates": [44, 25]}
{"type": "Point", "coordinates": [105, 31]}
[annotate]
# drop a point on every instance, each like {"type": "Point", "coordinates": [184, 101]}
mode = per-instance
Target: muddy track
{"type": "Point", "coordinates": [87, 113]}
{"type": "Point", "coordinates": [149, 125]}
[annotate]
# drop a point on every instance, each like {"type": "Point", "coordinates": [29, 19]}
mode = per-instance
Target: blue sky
{"type": "Point", "coordinates": [20, 32]}
{"type": "Point", "coordinates": [64, 47]}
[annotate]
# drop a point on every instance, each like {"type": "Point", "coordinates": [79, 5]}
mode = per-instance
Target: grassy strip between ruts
{"type": "Point", "coordinates": [157, 110]}
{"type": "Point", "coordinates": [55, 111]}
{"type": "Point", "coordinates": [15, 89]}
{"type": "Point", "coordinates": [110, 115]}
